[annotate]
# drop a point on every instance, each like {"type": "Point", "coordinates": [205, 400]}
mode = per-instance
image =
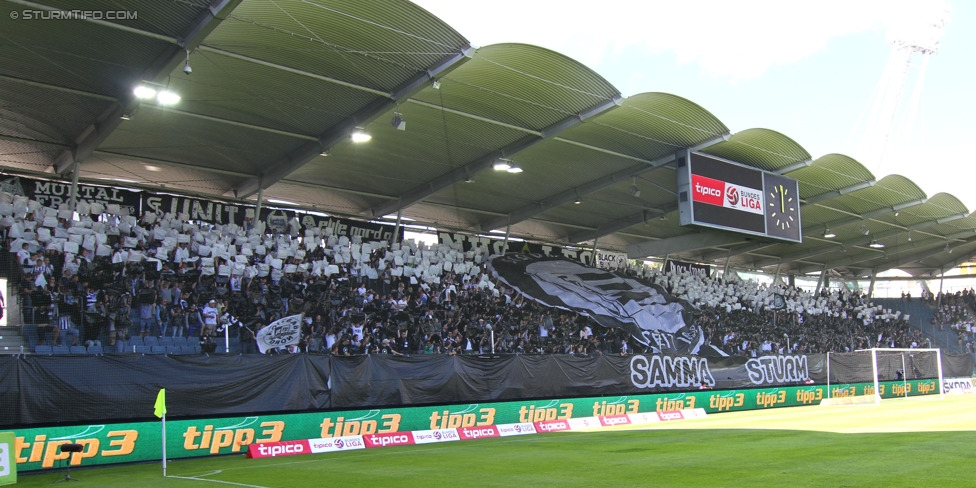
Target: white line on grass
{"type": "Point", "coordinates": [196, 478]}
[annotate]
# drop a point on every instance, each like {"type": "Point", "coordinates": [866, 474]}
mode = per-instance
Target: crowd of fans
{"type": "Point", "coordinates": [746, 318]}
{"type": "Point", "coordinates": [99, 276]}
{"type": "Point", "coordinates": [954, 314]}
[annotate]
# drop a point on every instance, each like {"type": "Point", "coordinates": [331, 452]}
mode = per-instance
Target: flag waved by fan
{"type": "Point", "coordinates": [280, 333]}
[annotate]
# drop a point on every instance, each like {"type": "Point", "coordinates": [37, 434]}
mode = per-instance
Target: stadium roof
{"type": "Point", "coordinates": [277, 87]}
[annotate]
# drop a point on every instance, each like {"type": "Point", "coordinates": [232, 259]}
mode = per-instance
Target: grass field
{"type": "Point", "coordinates": [921, 441]}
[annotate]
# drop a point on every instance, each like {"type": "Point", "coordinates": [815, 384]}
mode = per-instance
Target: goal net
{"type": "Point", "coordinates": [877, 366]}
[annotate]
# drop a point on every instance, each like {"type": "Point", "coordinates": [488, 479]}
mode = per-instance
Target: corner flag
{"type": "Point", "coordinates": [160, 408]}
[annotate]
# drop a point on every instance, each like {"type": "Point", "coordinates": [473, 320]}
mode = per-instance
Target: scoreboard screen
{"type": "Point", "coordinates": [721, 194]}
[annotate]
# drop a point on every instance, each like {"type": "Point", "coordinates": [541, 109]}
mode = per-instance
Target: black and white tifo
{"type": "Point", "coordinates": [651, 315]}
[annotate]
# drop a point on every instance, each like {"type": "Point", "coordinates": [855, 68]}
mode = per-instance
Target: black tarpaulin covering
{"type": "Point", "coordinates": [73, 389]}
{"type": "Point", "coordinates": [51, 390]}
{"type": "Point", "coordinates": [895, 365]}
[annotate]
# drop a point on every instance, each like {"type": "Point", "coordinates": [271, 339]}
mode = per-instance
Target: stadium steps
{"type": "Point", "coordinates": [921, 318]}
{"type": "Point", "coordinates": [12, 340]}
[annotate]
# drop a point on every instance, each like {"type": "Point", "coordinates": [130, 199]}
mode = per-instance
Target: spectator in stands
{"type": "Point", "coordinates": [194, 322]}
{"type": "Point", "coordinates": [162, 315]}
{"type": "Point", "coordinates": [65, 329]}
{"type": "Point", "coordinates": [246, 336]}
{"type": "Point", "coordinates": [147, 311]}
{"type": "Point", "coordinates": [209, 314]}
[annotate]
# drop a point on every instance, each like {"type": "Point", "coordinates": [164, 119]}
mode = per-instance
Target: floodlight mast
{"type": "Point", "coordinates": [918, 30]}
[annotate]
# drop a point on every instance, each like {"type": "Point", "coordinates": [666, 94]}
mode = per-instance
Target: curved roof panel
{"type": "Point", "coordinates": [521, 85]}
{"type": "Point", "coordinates": [376, 45]}
{"type": "Point", "coordinates": [764, 149]}
{"type": "Point", "coordinates": [831, 174]}
{"type": "Point", "coordinates": [942, 205]}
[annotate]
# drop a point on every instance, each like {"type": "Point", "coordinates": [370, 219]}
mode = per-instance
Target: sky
{"type": "Point", "coordinates": [817, 72]}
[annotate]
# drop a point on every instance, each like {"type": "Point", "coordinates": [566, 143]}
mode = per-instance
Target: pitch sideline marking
{"type": "Point", "coordinates": [196, 478]}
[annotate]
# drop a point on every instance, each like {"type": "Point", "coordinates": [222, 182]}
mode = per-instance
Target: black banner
{"type": "Point", "coordinates": [489, 246]}
{"type": "Point", "coordinates": [49, 390]}
{"type": "Point", "coordinates": [197, 209]}
{"type": "Point", "coordinates": [54, 193]}
{"type": "Point", "coordinates": [676, 267]}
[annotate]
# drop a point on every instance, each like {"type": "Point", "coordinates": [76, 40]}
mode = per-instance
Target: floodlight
{"type": "Point", "coordinates": [166, 97]}
{"type": "Point", "coordinates": [360, 135]}
{"type": "Point", "coordinates": [144, 92]}
{"type": "Point", "coordinates": [502, 165]}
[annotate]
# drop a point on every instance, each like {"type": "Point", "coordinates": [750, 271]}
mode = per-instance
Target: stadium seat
{"type": "Point", "coordinates": [150, 341]}
{"type": "Point", "coordinates": [180, 341]}
{"type": "Point", "coordinates": [166, 341]}
{"type": "Point", "coordinates": [135, 341]}
{"type": "Point", "coordinates": [172, 349]}
{"type": "Point", "coordinates": [78, 350]}
{"type": "Point", "coordinates": [61, 350]}
{"type": "Point", "coordinates": [43, 350]}
{"type": "Point", "coordinates": [157, 349]}
{"type": "Point", "coordinates": [98, 350]}
{"type": "Point", "coordinates": [142, 349]}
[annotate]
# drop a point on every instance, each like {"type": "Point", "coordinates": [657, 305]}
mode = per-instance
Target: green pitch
{"type": "Point", "coordinates": [921, 441]}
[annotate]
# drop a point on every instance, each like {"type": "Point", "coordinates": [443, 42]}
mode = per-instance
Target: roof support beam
{"type": "Point", "coordinates": [924, 249]}
{"type": "Point", "coordinates": [281, 67]}
{"type": "Point", "coordinates": [845, 261]}
{"type": "Point", "coordinates": [235, 123]}
{"type": "Point", "coordinates": [310, 150]}
{"type": "Point", "coordinates": [34, 142]}
{"type": "Point", "coordinates": [684, 243]}
{"type": "Point", "coordinates": [604, 150]}
{"type": "Point", "coordinates": [423, 190]}
{"type": "Point", "coordinates": [963, 257]}
{"type": "Point", "coordinates": [619, 224]}
{"type": "Point", "coordinates": [96, 133]}
{"type": "Point", "coordinates": [63, 89]}
{"type": "Point", "coordinates": [175, 164]}
{"type": "Point", "coordinates": [103, 23]}
{"type": "Point", "coordinates": [795, 166]}
{"type": "Point", "coordinates": [839, 192]}
{"type": "Point", "coordinates": [569, 196]}
{"type": "Point", "coordinates": [479, 118]}
{"type": "Point", "coordinates": [528, 131]}
{"type": "Point", "coordinates": [818, 230]}
{"type": "Point", "coordinates": [857, 242]}
{"type": "Point", "coordinates": [623, 223]}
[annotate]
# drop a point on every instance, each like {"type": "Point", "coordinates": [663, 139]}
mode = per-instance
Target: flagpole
{"type": "Point", "coordinates": [160, 410]}
{"type": "Point", "coordinates": [164, 444]}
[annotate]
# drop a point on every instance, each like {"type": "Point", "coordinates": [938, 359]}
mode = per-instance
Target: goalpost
{"type": "Point", "coordinates": [877, 365]}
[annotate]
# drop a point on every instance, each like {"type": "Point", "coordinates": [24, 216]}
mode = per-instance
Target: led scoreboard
{"type": "Point", "coordinates": [721, 194]}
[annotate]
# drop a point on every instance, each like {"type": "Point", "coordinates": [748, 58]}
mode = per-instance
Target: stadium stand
{"type": "Point", "coordinates": [118, 277]}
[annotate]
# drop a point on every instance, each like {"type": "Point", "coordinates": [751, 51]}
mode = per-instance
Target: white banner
{"type": "Point", "coordinates": [280, 333]}
{"type": "Point", "coordinates": [959, 385]}
{"type": "Point", "coordinates": [610, 260]}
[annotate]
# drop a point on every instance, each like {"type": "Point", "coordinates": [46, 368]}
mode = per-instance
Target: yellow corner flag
{"type": "Point", "coordinates": [160, 409]}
